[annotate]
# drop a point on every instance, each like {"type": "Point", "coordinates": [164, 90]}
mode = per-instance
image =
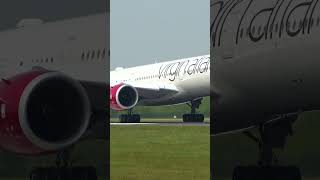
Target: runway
{"type": "Point", "coordinates": [161, 124]}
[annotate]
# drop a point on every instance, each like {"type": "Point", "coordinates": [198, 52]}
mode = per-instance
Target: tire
{"type": "Point", "coordinates": [293, 173]}
{"type": "Point", "coordinates": [244, 173]}
{"type": "Point", "coordinates": [123, 118]}
{"type": "Point", "coordinates": [185, 118]}
{"type": "Point", "coordinates": [136, 118]}
{"type": "Point", "coordinates": [266, 173]}
{"type": "Point", "coordinates": [193, 118]}
{"type": "Point", "coordinates": [83, 173]}
{"type": "Point", "coordinates": [34, 175]}
{"type": "Point", "coordinates": [49, 173]}
{"type": "Point", "coordinates": [199, 118]}
{"type": "Point", "coordinates": [53, 173]}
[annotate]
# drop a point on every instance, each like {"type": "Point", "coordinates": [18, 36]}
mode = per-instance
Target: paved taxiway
{"type": "Point", "coordinates": [160, 124]}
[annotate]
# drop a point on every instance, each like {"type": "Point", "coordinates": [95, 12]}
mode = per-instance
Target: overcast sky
{"type": "Point", "coordinates": [146, 31]}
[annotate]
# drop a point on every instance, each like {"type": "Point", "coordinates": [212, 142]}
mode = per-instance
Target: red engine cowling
{"type": "Point", "coordinates": [123, 96]}
{"type": "Point", "coordinates": [41, 112]}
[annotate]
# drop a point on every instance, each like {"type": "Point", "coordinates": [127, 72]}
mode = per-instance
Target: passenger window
{"type": "Point", "coordinates": [82, 56]}
{"type": "Point", "coordinates": [259, 30]}
{"type": "Point", "coordinates": [103, 53]}
{"type": "Point", "coordinates": [294, 25]}
{"type": "Point", "coordinates": [241, 33]}
{"type": "Point", "coordinates": [92, 55]}
{"type": "Point", "coordinates": [277, 26]}
{"type": "Point", "coordinates": [98, 54]}
{"type": "Point", "coordinates": [88, 55]}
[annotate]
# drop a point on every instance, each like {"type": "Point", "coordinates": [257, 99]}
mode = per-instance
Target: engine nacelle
{"type": "Point", "coordinates": [42, 111]}
{"type": "Point", "coordinates": [123, 97]}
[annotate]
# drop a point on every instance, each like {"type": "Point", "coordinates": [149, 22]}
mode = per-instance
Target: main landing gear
{"type": "Point", "coordinates": [64, 170]}
{"type": "Point", "coordinates": [272, 135]}
{"type": "Point", "coordinates": [129, 118]}
{"type": "Point", "coordinates": [193, 116]}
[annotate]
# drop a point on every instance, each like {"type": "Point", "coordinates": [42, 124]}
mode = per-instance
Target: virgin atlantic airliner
{"type": "Point", "coordinates": [167, 83]}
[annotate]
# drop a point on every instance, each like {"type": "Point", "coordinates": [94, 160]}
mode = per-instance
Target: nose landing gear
{"type": "Point", "coordinates": [272, 135]}
{"type": "Point", "coordinates": [193, 116]}
{"type": "Point", "coordinates": [64, 170]}
{"type": "Point", "coordinates": [129, 118]}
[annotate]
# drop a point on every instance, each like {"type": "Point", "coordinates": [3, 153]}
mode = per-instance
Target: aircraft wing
{"type": "Point", "coordinates": [281, 117]}
{"type": "Point", "coordinates": [154, 91]}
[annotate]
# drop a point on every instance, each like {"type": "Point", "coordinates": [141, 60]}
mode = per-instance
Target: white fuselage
{"type": "Point", "coordinates": [265, 58]}
{"type": "Point", "coordinates": [189, 76]}
{"type": "Point", "coordinates": [78, 47]}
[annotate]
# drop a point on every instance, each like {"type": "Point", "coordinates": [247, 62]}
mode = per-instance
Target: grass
{"type": "Point", "coordinates": [157, 152]}
{"type": "Point", "coordinates": [114, 120]}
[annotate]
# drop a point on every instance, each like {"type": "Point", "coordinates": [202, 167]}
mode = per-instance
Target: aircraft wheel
{"type": "Point", "coordinates": [185, 118]}
{"type": "Point", "coordinates": [193, 118]}
{"type": "Point", "coordinates": [200, 117]}
{"type": "Point", "coordinates": [266, 173]}
{"type": "Point", "coordinates": [49, 173]}
{"type": "Point", "coordinates": [133, 118]}
{"type": "Point", "coordinates": [243, 173]}
{"type": "Point", "coordinates": [124, 118]}
{"type": "Point", "coordinates": [83, 173]}
{"type": "Point", "coordinates": [75, 173]}
{"type": "Point", "coordinates": [291, 173]}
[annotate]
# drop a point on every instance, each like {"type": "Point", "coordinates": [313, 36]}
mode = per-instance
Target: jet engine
{"type": "Point", "coordinates": [123, 97]}
{"type": "Point", "coordinates": [42, 112]}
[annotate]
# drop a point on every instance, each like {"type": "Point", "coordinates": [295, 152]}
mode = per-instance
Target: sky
{"type": "Point", "coordinates": [149, 31]}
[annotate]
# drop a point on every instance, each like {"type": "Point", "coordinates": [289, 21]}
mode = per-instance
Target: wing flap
{"type": "Point", "coordinates": [153, 91]}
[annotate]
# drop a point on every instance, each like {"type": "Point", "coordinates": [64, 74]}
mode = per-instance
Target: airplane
{"type": "Point", "coordinates": [53, 90]}
{"type": "Point", "coordinates": [167, 83]}
{"type": "Point", "coordinates": [265, 73]}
